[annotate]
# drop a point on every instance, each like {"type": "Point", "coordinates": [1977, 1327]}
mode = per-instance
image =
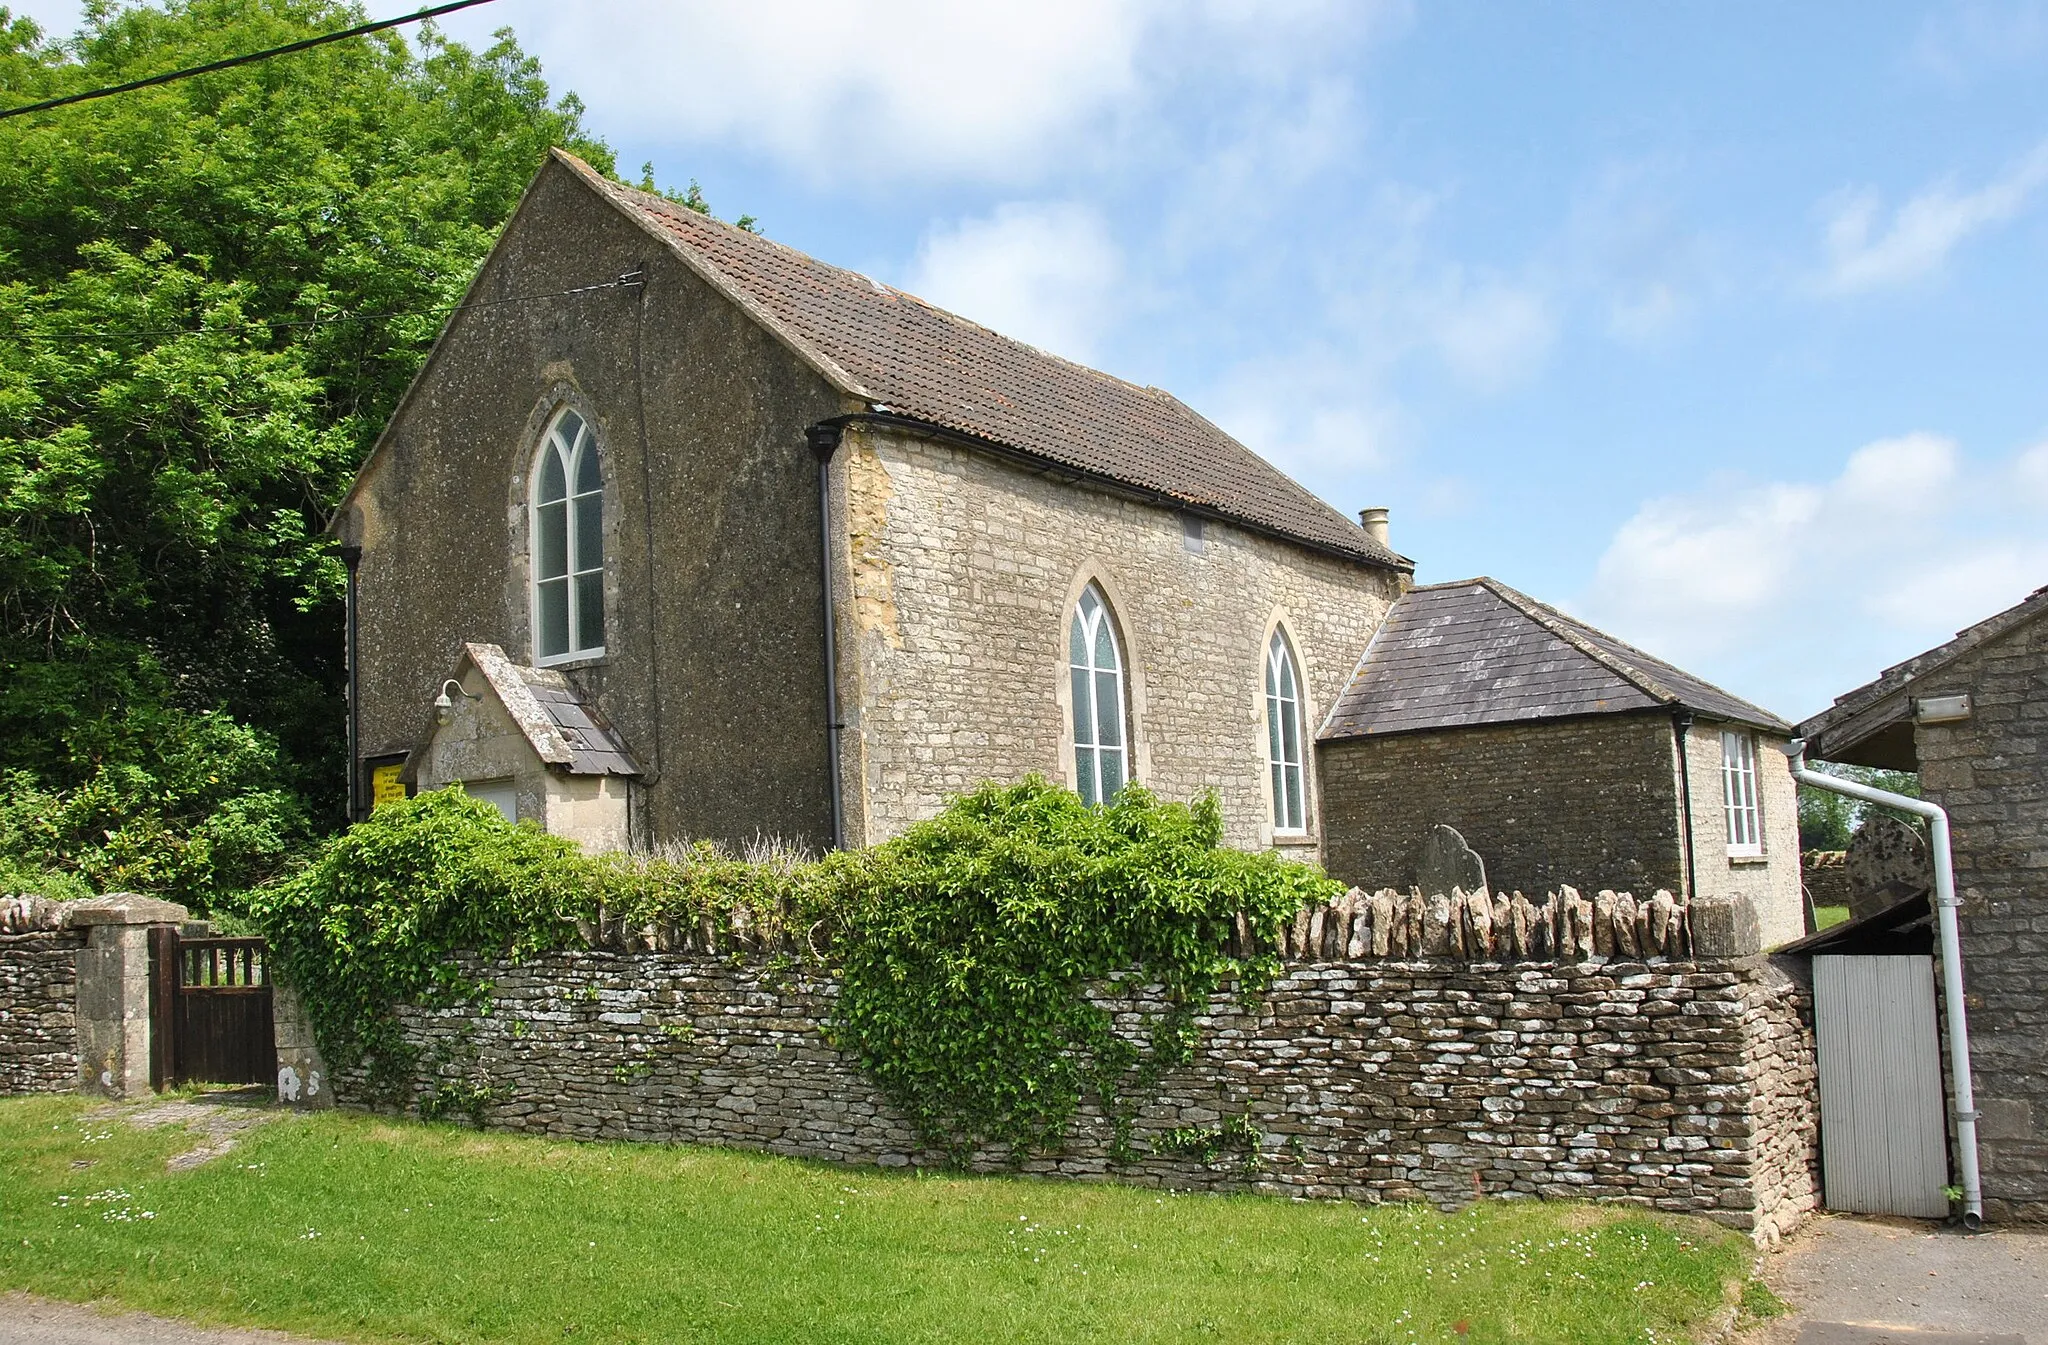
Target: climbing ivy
{"type": "Point", "coordinates": [972, 962]}
{"type": "Point", "coordinates": [975, 954]}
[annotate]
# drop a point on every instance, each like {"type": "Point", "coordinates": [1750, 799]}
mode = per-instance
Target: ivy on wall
{"type": "Point", "coordinates": [970, 952]}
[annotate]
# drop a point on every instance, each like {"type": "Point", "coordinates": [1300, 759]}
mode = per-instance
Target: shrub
{"type": "Point", "coordinates": [371, 924]}
{"type": "Point", "coordinates": [969, 958]}
{"type": "Point", "coordinates": [968, 950]}
{"type": "Point", "coordinates": [192, 811]}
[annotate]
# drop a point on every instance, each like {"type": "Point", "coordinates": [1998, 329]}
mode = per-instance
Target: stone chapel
{"type": "Point", "coordinates": [681, 534]}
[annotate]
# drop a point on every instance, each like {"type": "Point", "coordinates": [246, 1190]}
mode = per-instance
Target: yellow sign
{"type": "Point", "coordinates": [385, 786]}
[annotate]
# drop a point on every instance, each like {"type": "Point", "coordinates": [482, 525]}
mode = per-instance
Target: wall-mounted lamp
{"type": "Point", "coordinates": [444, 704]}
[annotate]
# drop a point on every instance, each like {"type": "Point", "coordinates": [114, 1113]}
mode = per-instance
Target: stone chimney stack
{"type": "Point", "coordinates": [1374, 521]}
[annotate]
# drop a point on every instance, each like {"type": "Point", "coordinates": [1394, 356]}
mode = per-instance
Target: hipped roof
{"type": "Point", "coordinates": [1478, 652]}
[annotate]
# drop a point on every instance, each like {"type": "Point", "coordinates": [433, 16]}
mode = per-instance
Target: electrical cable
{"type": "Point", "coordinates": [304, 44]}
{"type": "Point", "coordinates": [627, 281]}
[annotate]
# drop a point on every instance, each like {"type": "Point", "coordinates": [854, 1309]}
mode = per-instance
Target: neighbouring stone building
{"type": "Point", "coordinates": [680, 533]}
{"type": "Point", "coordinates": [1560, 754]}
{"type": "Point", "coordinates": [1972, 718]}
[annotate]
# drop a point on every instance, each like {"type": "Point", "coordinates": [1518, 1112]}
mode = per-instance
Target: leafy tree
{"type": "Point", "coordinates": [1829, 821]}
{"type": "Point", "coordinates": [212, 294]}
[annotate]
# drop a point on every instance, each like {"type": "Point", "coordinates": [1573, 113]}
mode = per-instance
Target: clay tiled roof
{"type": "Point", "coordinates": [1478, 652]}
{"type": "Point", "coordinates": [901, 355]}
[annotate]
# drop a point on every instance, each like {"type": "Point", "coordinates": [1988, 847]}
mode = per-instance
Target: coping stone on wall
{"type": "Point", "coordinates": [1725, 925]}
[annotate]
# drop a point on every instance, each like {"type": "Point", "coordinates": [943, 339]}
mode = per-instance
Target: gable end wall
{"type": "Point", "coordinates": [714, 668]}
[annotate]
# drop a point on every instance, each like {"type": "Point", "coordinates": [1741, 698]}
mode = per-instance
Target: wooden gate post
{"type": "Point", "coordinates": [163, 1006]}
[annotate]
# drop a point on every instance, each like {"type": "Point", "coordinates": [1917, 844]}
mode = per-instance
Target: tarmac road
{"type": "Point", "coordinates": [1856, 1281]}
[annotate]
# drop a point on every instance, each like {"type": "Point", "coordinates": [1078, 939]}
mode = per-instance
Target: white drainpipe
{"type": "Point", "coordinates": [1945, 904]}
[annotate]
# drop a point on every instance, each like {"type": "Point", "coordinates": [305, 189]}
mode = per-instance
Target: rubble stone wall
{"type": "Point", "coordinates": [39, 1011]}
{"type": "Point", "coordinates": [1590, 801]}
{"type": "Point", "coordinates": [1684, 1086]}
{"type": "Point", "coordinates": [1991, 772]}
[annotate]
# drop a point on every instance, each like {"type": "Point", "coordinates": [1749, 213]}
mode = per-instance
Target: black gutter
{"type": "Point", "coordinates": [824, 439]}
{"type": "Point", "coordinates": [351, 559]}
{"type": "Point", "coordinates": [1058, 470]}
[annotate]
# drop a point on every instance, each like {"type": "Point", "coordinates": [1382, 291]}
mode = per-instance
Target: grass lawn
{"type": "Point", "coordinates": [1827, 916]}
{"type": "Point", "coordinates": [358, 1228]}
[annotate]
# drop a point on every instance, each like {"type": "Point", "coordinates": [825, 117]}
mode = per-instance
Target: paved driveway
{"type": "Point", "coordinates": [1898, 1282]}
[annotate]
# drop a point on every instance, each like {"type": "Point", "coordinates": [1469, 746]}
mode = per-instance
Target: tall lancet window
{"type": "Point", "coordinates": [568, 543]}
{"type": "Point", "coordinates": [1283, 737]}
{"type": "Point", "coordinates": [1096, 665]}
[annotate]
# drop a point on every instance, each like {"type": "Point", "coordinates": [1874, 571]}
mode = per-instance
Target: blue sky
{"type": "Point", "coordinates": [1724, 326]}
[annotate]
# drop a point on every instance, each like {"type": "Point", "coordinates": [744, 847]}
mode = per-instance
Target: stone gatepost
{"type": "Point", "coordinates": [301, 1074]}
{"type": "Point", "coordinates": [114, 1040]}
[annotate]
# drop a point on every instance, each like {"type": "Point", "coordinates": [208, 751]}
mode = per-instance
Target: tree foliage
{"type": "Point", "coordinates": [212, 294]}
{"type": "Point", "coordinates": [1829, 821]}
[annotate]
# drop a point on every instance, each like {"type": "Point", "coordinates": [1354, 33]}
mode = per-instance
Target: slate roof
{"type": "Point", "coordinates": [901, 355]}
{"type": "Point", "coordinates": [1858, 714]}
{"type": "Point", "coordinates": [566, 734]}
{"type": "Point", "coordinates": [1478, 652]}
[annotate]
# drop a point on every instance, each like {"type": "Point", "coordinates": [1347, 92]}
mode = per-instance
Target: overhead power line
{"type": "Point", "coordinates": [250, 58]}
{"type": "Point", "coordinates": [629, 280]}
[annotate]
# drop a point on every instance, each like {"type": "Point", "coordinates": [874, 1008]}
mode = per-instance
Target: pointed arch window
{"type": "Point", "coordinates": [1284, 737]}
{"type": "Point", "coordinates": [567, 529]}
{"type": "Point", "coordinates": [1095, 664]}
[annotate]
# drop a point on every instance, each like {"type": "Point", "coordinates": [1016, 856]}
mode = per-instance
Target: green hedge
{"type": "Point", "coordinates": [966, 950]}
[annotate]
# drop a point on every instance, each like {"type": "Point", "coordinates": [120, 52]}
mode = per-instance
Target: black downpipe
{"type": "Point", "coordinates": [352, 559]}
{"type": "Point", "coordinates": [1681, 726]}
{"type": "Point", "coordinates": [824, 439]}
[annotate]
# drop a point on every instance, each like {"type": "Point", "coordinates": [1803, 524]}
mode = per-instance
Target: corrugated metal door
{"type": "Point", "coordinates": [1884, 1149]}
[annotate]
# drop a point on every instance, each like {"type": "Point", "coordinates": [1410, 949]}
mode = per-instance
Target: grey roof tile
{"type": "Point", "coordinates": [1478, 652]}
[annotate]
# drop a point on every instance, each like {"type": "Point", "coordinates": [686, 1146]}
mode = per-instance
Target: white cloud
{"type": "Point", "coordinates": [1866, 251]}
{"type": "Point", "coordinates": [1960, 42]}
{"type": "Point", "coordinates": [1812, 588]}
{"type": "Point", "coordinates": [1047, 273]}
{"type": "Point", "coordinates": [1494, 334]}
{"type": "Point", "coordinates": [998, 90]}
{"type": "Point", "coordinates": [2030, 474]}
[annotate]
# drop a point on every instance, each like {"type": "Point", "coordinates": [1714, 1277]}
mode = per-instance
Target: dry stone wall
{"type": "Point", "coordinates": [39, 1011]}
{"type": "Point", "coordinates": [1683, 1086]}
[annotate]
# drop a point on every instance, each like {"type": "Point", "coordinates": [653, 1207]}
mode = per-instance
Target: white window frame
{"type": "Point", "coordinates": [1286, 775]}
{"type": "Point", "coordinates": [1091, 621]}
{"type": "Point", "coordinates": [1741, 804]}
{"type": "Point", "coordinates": [568, 450]}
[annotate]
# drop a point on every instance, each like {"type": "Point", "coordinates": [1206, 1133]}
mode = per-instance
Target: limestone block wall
{"type": "Point", "coordinates": [1771, 880]}
{"type": "Point", "coordinates": [1684, 1086]}
{"type": "Point", "coordinates": [960, 574]}
{"type": "Point", "coordinates": [1991, 772]}
{"type": "Point", "coordinates": [39, 1011]}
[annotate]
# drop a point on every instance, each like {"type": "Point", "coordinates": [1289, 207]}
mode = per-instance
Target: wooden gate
{"type": "Point", "coordinates": [1884, 1149]}
{"type": "Point", "coordinates": [210, 1010]}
